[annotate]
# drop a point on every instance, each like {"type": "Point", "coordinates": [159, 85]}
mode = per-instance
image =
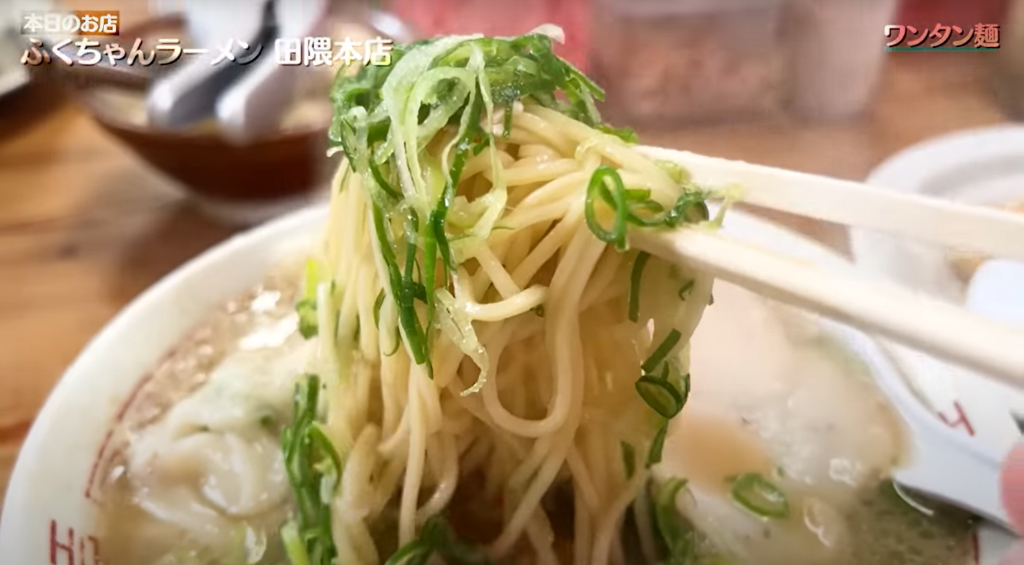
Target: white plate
{"type": "Point", "coordinates": [49, 510]}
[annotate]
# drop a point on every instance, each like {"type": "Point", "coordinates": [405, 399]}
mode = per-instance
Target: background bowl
{"type": "Point", "coordinates": [49, 505]}
{"type": "Point", "coordinates": [982, 167]}
{"type": "Point", "coordinates": [238, 184]}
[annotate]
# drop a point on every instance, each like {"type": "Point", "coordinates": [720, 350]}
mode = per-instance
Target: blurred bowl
{"type": "Point", "coordinates": [235, 184]}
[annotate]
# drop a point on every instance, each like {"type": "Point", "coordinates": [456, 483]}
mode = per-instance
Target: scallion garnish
{"type": "Point", "coordinates": [757, 494]}
{"type": "Point", "coordinates": [376, 307]}
{"type": "Point", "coordinates": [403, 295]}
{"type": "Point", "coordinates": [674, 170]}
{"type": "Point", "coordinates": [654, 455]}
{"type": "Point", "coordinates": [437, 538]}
{"type": "Point", "coordinates": [625, 134]}
{"type": "Point", "coordinates": [662, 351]}
{"type": "Point", "coordinates": [506, 124]}
{"type": "Point", "coordinates": [294, 547]}
{"type": "Point", "coordinates": [383, 183]}
{"type": "Point", "coordinates": [634, 284]}
{"type": "Point", "coordinates": [306, 309]}
{"type": "Point", "coordinates": [616, 198]}
{"type": "Point", "coordinates": [679, 539]}
{"type": "Point", "coordinates": [414, 334]}
{"type": "Point", "coordinates": [661, 395]}
{"type": "Point", "coordinates": [313, 468]}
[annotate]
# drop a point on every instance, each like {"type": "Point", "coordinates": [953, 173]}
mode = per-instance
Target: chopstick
{"type": "Point", "coordinates": [933, 326]}
{"type": "Point", "coordinates": [985, 230]}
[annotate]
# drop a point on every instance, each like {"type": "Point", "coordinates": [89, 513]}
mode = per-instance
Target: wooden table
{"type": "Point", "coordinates": [85, 226]}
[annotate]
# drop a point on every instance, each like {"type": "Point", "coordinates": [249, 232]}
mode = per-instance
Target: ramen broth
{"type": "Point", "coordinates": [772, 394]}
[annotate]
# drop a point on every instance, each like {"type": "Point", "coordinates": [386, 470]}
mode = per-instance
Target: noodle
{"type": "Point", "coordinates": [497, 362]}
{"type": "Point", "coordinates": [570, 296]}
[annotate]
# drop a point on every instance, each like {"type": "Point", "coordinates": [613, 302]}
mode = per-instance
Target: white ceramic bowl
{"type": "Point", "coordinates": [979, 166]}
{"type": "Point", "coordinates": [49, 517]}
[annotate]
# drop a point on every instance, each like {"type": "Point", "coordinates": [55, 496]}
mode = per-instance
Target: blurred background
{"type": "Point", "coordinates": [98, 201]}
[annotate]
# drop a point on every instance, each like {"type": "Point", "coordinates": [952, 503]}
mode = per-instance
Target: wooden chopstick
{"type": "Point", "coordinates": [986, 230]}
{"type": "Point", "coordinates": [933, 326]}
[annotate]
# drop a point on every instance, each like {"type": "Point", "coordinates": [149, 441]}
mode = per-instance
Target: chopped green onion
{"type": "Point", "coordinates": [674, 170]}
{"type": "Point", "coordinates": [506, 126]}
{"type": "Point", "coordinates": [639, 195]}
{"type": "Point", "coordinates": [306, 309]}
{"type": "Point", "coordinates": [685, 289]}
{"type": "Point", "coordinates": [403, 292]}
{"type": "Point", "coordinates": [661, 396]}
{"type": "Point", "coordinates": [683, 385]}
{"type": "Point", "coordinates": [437, 537]}
{"type": "Point", "coordinates": [634, 284]}
{"type": "Point", "coordinates": [757, 494]}
{"type": "Point", "coordinates": [294, 548]}
{"type": "Point", "coordinates": [419, 292]}
{"type": "Point", "coordinates": [654, 455]}
{"type": "Point", "coordinates": [616, 198]}
{"type": "Point", "coordinates": [679, 539]}
{"type": "Point", "coordinates": [429, 274]}
{"type": "Point", "coordinates": [662, 351]}
{"type": "Point", "coordinates": [439, 215]}
{"type": "Point", "coordinates": [689, 207]}
{"type": "Point", "coordinates": [313, 468]}
{"type": "Point", "coordinates": [382, 182]}
{"type": "Point", "coordinates": [311, 279]}
{"type": "Point", "coordinates": [414, 333]}
{"type": "Point", "coordinates": [409, 552]}
{"type": "Point", "coordinates": [628, 458]}
{"type": "Point", "coordinates": [647, 222]}
{"type": "Point", "coordinates": [625, 134]}
{"type": "Point", "coordinates": [376, 307]}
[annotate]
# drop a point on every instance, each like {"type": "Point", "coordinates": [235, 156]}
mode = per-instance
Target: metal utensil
{"type": "Point", "coordinates": [189, 94]}
{"type": "Point", "coordinates": [253, 106]}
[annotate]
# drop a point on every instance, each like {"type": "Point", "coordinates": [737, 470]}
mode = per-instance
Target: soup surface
{"type": "Point", "coordinates": [197, 476]}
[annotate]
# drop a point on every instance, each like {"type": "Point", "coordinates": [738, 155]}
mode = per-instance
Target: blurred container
{"type": "Point", "coordinates": [836, 52]}
{"type": "Point", "coordinates": [669, 61]}
{"type": "Point", "coordinates": [232, 183]}
{"type": "Point", "coordinates": [963, 13]}
{"type": "Point", "coordinates": [665, 60]}
{"type": "Point", "coordinates": [1009, 68]}
{"type": "Point", "coordinates": [501, 17]}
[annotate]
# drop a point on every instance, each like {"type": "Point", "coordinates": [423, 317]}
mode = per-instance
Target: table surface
{"type": "Point", "coordinates": [85, 226]}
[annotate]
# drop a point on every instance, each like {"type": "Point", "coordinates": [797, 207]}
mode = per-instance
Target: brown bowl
{"type": "Point", "coordinates": [287, 163]}
{"type": "Point", "coordinates": [236, 183]}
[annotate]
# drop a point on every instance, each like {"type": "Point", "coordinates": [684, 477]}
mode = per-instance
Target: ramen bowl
{"type": "Point", "coordinates": [51, 513]}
